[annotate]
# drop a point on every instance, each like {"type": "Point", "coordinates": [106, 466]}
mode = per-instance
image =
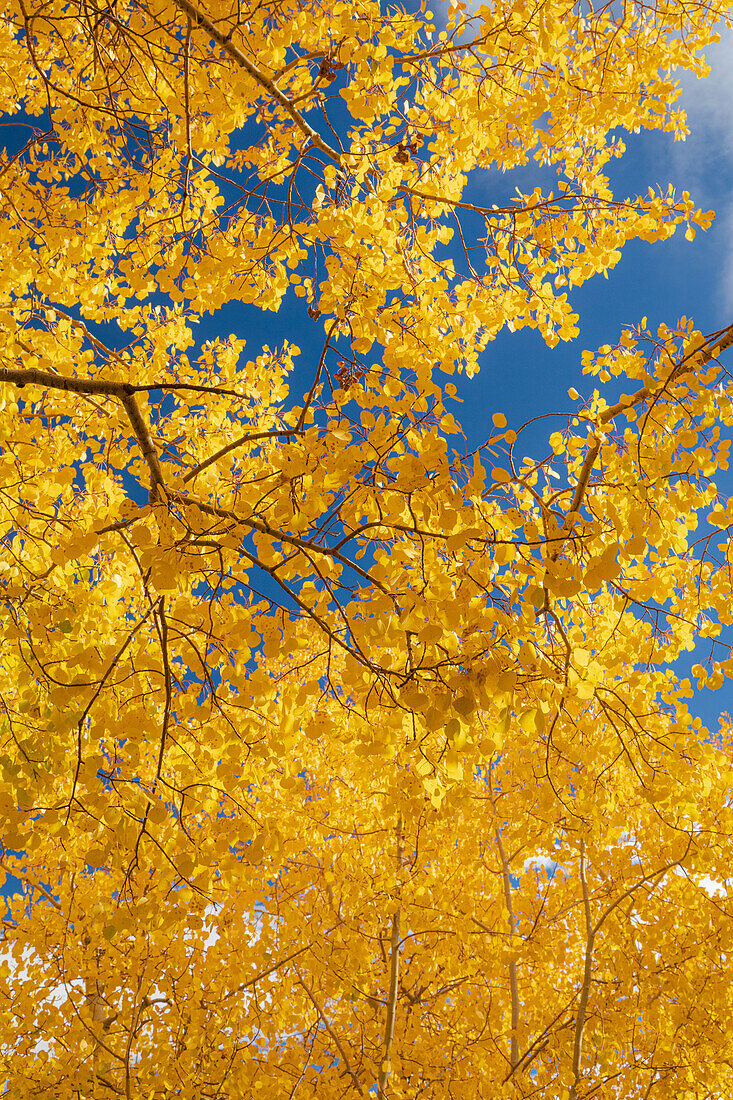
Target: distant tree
{"type": "Point", "coordinates": [334, 761]}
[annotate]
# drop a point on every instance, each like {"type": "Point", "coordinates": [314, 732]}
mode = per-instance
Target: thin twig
{"type": "Point", "coordinates": [187, 107]}
{"type": "Point", "coordinates": [319, 368]}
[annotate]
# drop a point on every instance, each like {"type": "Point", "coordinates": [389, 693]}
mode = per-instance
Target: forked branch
{"type": "Point", "coordinates": [334, 1036]}
{"type": "Point", "coordinates": [123, 391]}
{"type": "Point", "coordinates": [265, 82]}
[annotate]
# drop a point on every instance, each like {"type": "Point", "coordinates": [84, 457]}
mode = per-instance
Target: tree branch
{"type": "Point", "coordinates": [264, 81]}
{"type": "Point", "coordinates": [590, 933]}
{"type": "Point", "coordinates": [513, 984]}
{"type": "Point", "coordinates": [394, 972]}
{"type": "Point", "coordinates": [162, 624]}
{"type": "Point", "coordinates": [333, 1035]}
{"type": "Point", "coordinates": [147, 446]}
{"type": "Point", "coordinates": [304, 545]}
{"type": "Point", "coordinates": [251, 438]}
{"type": "Point", "coordinates": [121, 390]}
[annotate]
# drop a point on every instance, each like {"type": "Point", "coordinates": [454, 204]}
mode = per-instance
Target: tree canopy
{"type": "Point", "coordinates": [335, 760]}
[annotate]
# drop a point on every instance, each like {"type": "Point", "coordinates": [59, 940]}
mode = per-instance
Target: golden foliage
{"type": "Point", "coordinates": [334, 761]}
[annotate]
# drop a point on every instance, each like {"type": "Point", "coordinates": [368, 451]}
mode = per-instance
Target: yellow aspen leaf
{"type": "Point", "coordinates": [453, 766]}
{"type": "Point", "coordinates": [532, 720]}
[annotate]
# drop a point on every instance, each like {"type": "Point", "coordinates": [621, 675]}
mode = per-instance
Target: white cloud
{"type": "Point", "coordinates": [710, 119]}
{"type": "Point", "coordinates": [541, 862]}
{"type": "Point", "coordinates": [703, 164]}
